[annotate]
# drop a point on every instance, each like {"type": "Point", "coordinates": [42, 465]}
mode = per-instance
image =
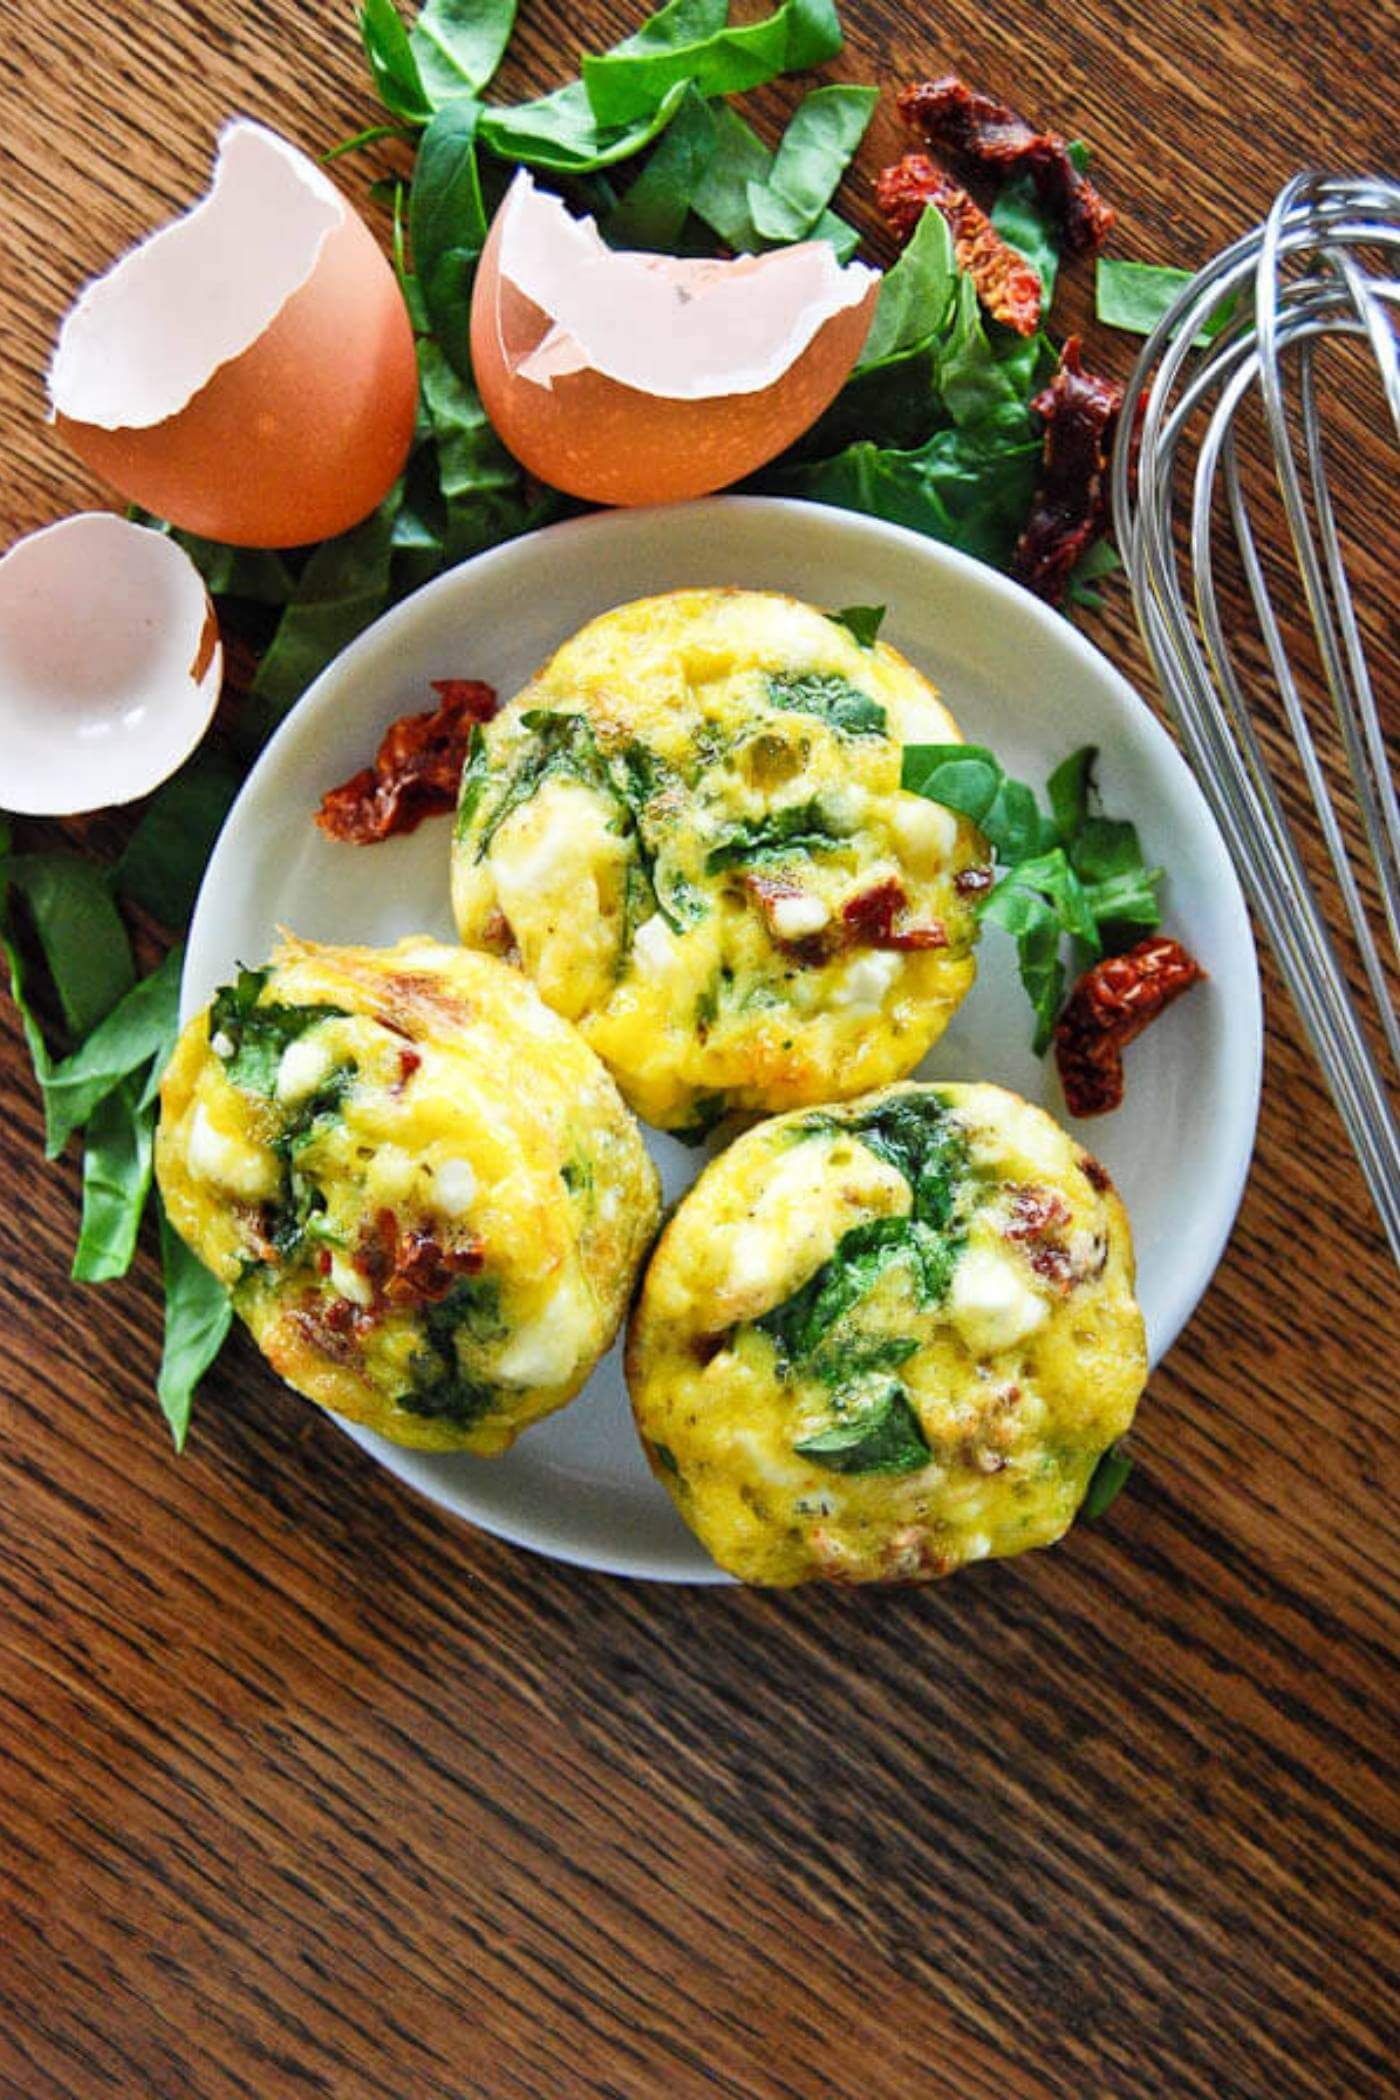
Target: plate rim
{"type": "Point", "coordinates": [1246, 992]}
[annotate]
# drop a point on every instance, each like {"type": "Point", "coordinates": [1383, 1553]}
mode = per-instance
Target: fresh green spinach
{"type": "Point", "coordinates": [198, 1315]}
{"type": "Point", "coordinates": [861, 622]}
{"type": "Point", "coordinates": [804, 827]}
{"type": "Point", "coordinates": [812, 156]}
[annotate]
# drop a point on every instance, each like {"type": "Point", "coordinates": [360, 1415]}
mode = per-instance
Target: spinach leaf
{"type": "Point", "coordinates": [139, 1032]}
{"type": "Point", "coordinates": [881, 1436]}
{"type": "Point", "coordinates": [560, 131]}
{"type": "Point", "coordinates": [458, 45]}
{"type": "Point", "coordinates": [166, 855]}
{"type": "Point", "coordinates": [117, 1158]}
{"type": "Point", "coordinates": [449, 1399]}
{"type": "Point", "coordinates": [438, 1387]}
{"type": "Point", "coordinates": [392, 62]}
{"type": "Point", "coordinates": [686, 41]}
{"type": "Point", "coordinates": [198, 1314]}
{"type": "Point", "coordinates": [653, 213]}
{"type": "Point", "coordinates": [1020, 220]}
{"type": "Point", "coordinates": [812, 156]}
{"type": "Point", "coordinates": [482, 489]}
{"type": "Point", "coordinates": [970, 489]}
{"type": "Point", "coordinates": [447, 225]}
{"type": "Point", "coordinates": [343, 586]}
{"type": "Point", "coordinates": [970, 779]}
{"type": "Point", "coordinates": [915, 294]}
{"type": "Point", "coordinates": [251, 1036]}
{"type": "Point", "coordinates": [1105, 1482]}
{"type": "Point", "coordinates": [803, 828]}
{"type": "Point", "coordinates": [914, 1134]}
{"type": "Point", "coordinates": [802, 1327]}
{"type": "Point", "coordinates": [862, 623]}
{"type": "Point", "coordinates": [831, 698]}
{"type": "Point", "coordinates": [721, 197]}
{"type": "Point", "coordinates": [83, 940]}
{"type": "Point", "coordinates": [562, 746]}
{"type": "Point", "coordinates": [1137, 296]}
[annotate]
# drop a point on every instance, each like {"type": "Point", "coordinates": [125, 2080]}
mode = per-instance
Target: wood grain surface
{"type": "Point", "coordinates": [308, 1790]}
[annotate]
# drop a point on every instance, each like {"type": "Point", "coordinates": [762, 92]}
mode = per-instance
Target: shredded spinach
{"type": "Point", "coordinates": [802, 828]}
{"type": "Point", "coordinates": [1105, 1482]}
{"type": "Point", "coordinates": [439, 1387]}
{"type": "Point", "coordinates": [879, 1436]}
{"type": "Point", "coordinates": [257, 1034]}
{"type": "Point", "coordinates": [831, 698]}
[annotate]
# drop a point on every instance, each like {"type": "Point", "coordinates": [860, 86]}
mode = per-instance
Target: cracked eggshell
{"type": "Point", "coordinates": [247, 372]}
{"type": "Point", "coordinates": [631, 378]}
{"type": "Point", "coordinates": [110, 664]}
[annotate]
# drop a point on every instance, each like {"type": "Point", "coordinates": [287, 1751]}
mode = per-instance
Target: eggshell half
{"type": "Point", "coordinates": [110, 664]}
{"type": "Point", "coordinates": [248, 372]}
{"type": "Point", "coordinates": [629, 378]}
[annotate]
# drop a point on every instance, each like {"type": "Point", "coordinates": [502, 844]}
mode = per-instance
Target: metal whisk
{"type": "Point", "coordinates": [1313, 272]}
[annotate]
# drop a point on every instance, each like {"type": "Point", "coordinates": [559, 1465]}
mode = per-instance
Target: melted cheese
{"type": "Point", "coordinates": [230, 1162]}
{"type": "Point", "coordinates": [992, 1304]}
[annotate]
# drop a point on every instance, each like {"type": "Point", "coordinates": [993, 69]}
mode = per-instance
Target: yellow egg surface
{"type": "Point", "coordinates": [689, 831]}
{"type": "Point", "coordinates": [880, 1340]}
{"type": "Point", "coordinates": [420, 1186]}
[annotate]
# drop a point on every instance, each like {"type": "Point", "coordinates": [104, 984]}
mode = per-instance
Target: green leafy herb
{"type": "Point", "coordinates": [1105, 1482]}
{"type": "Point", "coordinates": [83, 940]}
{"type": "Point", "coordinates": [117, 1158]}
{"type": "Point", "coordinates": [251, 1035]}
{"type": "Point", "coordinates": [915, 294]}
{"type": "Point", "coordinates": [138, 1033]}
{"type": "Point", "coordinates": [1076, 872]}
{"type": "Point", "coordinates": [654, 211]}
{"type": "Point", "coordinates": [344, 585]}
{"type": "Point", "coordinates": [392, 62]}
{"type": "Point", "coordinates": [813, 155]}
{"type": "Point", "coordinates": [862, 623]}
{"type": "Point", "coordinates": [801, 1327]}
{"type": "Point", "coordinates": [198, 1315]}
{"type": "Point", "coordinates": [828, 696]}
{"type": "Point", "coordinates": [1020, 220]}
{"type": "Point", "coordinates": [692, 40]}
{"type": "Point", "coordinates": [881, 1436]}
{"type": "Point", "coordinates": [166, 855]}
{"type": "Point", "coordinates": [971, 779]}
{"type": "Point", "coordinates": [560, 130]}
{"type": "Point", "coordinates": [803, 828]}
{"type": "Point", "coordinates": [914, 1134]}
{"type": "Point", "coordinates": [447, 224]}
{"type": "Point", "coordinates": [458, 45]}
{"type": "Point", "coordinates": [1138, 296]}
{"type": "Point", "coordinates": [721, 198]}
{"type": "Point", "coordinates": [562, 746]}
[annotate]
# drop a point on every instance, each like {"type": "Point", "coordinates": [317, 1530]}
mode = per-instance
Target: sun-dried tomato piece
{"type": "Point", "coordinates": [770, 893]}
{"type": "Point", "coordinates": [1112, 1003]}
{"type": "Point", "coordinates": [416, 769]}
{"type": "Point", "coordinates": [425, 1271]}
{"type": "Point", "coordinates": [1036, 1216]}
{"type": "Point", "coordinates": [872, 919]}
{"type": "Point", "coordinates": [1006, 284]}
{"type": "Point", "coordinates": [1070, 508]}
{"type": "Point", "coordinates": [984, 136]}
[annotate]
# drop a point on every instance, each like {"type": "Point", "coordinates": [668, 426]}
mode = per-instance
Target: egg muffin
{"type": "Point", "coordinates": [881, 1340]}
{"type": "Point", "coordinates": [689, 832]}
{"type": "Point", "coordinates": [420, 1186]}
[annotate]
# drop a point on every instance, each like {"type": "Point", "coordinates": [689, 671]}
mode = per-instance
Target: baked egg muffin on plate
{"type": "Point", "coordinates": [689, 831]}
{"type": "Point", "coordinates": [420, 1186]}
{"type": "Point", "coordinates": [880, 1340]}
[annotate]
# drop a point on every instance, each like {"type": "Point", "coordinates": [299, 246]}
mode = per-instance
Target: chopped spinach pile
{"type": "Point", "coordinates": [817, 1334]}
{"type": "Point", "coordinates": [251, 1038]}
{"type": "Point", "coordinates": [1074, 872]}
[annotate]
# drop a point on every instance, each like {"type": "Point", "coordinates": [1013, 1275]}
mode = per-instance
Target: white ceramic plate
{"type": "Point", "coordinates": [1016, 676]}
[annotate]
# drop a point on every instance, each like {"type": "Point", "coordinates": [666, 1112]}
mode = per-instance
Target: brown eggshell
{"type": "Point", "coordinates": [298, 436]}
{"type": "Point", "coordinates": [596, 437]}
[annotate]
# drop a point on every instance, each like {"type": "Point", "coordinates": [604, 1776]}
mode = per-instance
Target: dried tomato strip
{"type": "Point", "coordinates": [1006, 284]}
{"type": "Point", "coordinates": [987, 137]}
{"type": "Point", "coordinates": [1111, 1004]}
{"type": "Point", "coordinates": [873, 917]}
{"type": "Point", "coordinates": [1070, 509]}
{"type": "Point", "coordinates": [416, 770]}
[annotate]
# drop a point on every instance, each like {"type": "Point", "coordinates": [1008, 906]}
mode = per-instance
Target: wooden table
{"type": "Point", "coordinates": [307, 1790]}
